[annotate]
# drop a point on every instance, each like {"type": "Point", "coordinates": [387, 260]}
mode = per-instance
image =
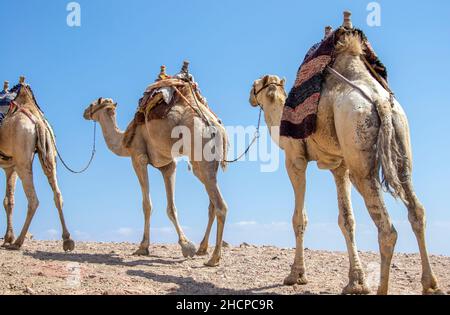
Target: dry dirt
{"type": "Point", "coordinates": [109, 268]}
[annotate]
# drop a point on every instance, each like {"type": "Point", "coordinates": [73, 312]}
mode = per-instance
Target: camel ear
{"type": "Point", "coordinates": [115, 105]}
{"type": "Point", "coordinates": [265, 80]}
{"type": "Point", "coordinates": [283, 81]}
{"type": "Point", "coordinates": [100, 100]}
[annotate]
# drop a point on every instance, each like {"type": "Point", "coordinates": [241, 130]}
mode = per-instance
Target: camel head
{"type": "Point", "coordinates": [268, 92]}
{"type": "Point", "coordinates": [99, 106]}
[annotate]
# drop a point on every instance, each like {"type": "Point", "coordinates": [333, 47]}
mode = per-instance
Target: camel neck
{"type": "Point", "coordinates": [112, 134]}
{"type": "Point", "coordinates": [272, 115]}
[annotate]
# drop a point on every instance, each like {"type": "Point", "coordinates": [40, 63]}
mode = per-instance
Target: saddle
{"type": "Point", "coordinates": [160, 96]}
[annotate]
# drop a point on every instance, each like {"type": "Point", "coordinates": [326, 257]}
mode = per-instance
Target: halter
{"type": "Point", "coordinates": [256, 93]}
{"type": "Point", "coordinates": [99, 107]}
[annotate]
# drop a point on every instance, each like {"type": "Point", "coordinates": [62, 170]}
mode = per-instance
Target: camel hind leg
{"type": "Point", "coordinates": [369, 187]}
{"type": "Point", "coordinates": [416, 216]}
{"type": "Point", "coordinates": [26, 176]}
{"type": "Point", "coordinates": [207, 173]}
{"type": "Point", "coordinates": [203, 249]}
{"type": "Point", "coordinates": [8, 202]}
{"type": "Point", "coordinates": [168, 172]}
{"type": "Point", "coordinates": [357, 282]}
{"type": "Point", "coordinates": [50, 172]}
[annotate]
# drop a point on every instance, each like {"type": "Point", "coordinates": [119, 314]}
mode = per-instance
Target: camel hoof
{"type": "Point", "coordinates": [141, 252]}
{"type": "Point", "coordinates": [13, 247]}
{"type": "Point", "coordinates": [355, 289]}
{"type": "Point", "coordinates": [295, 279]}
{"type": "Point", "coordinates": [213, 262]}
{"type": "Point", "coordinates": [68, 245]}
{"type": "Point", "coordinates": [202, 252]}
{"type": "Point", "coordinates": [188, 249]}
{"type": "Point", "coordinates": [433, 291]}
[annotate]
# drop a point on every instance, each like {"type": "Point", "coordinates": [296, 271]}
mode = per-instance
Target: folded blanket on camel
{"type": "Point", "coordinates": [300, 110]}
{"type": "Point", "coordinates": [159, 98]}
{"type": "Point", "coordinates": [8, 96]}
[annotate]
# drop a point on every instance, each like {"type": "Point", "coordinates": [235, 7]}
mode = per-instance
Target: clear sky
{"type": "Point", "coordinates": [117, 51]}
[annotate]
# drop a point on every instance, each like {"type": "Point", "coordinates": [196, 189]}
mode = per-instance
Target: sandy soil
{"type": "Point", "coordinates": [109, 268]}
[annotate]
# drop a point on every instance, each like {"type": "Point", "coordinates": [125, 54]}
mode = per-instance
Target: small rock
{"type": "Point", "coordinates": [275, 258]}
{"type": "Point", "coordinates": [225, 244]}
{"type": "Point", "coordinates": [30, 291]}
{"type": "Point", "coordinates": [244, 245]}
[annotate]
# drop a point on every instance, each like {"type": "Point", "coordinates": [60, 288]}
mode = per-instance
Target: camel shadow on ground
{"type": "Point", "coordinates": [190, 286]}
{"type": "Point", "coordinates": [105, 259]}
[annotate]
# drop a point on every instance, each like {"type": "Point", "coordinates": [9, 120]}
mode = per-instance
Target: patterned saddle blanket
{"type": "Point", "coordinates": [6, 97]}
{"type": "Point", "coordinates": [300, 110]}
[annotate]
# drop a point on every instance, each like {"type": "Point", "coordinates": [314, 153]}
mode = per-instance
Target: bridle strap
{"type": "Point", "coordinates": [255, 94]}
{"type": "Point", "coordinates": [98, 108]}
{"type": "Point", "coordinates": [265, 87]}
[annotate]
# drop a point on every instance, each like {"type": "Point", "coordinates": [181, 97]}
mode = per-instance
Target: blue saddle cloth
{"type": "Point", "coordinates": [6, 98]}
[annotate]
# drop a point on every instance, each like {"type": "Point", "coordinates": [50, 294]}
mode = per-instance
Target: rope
{"type": "Point", "coordinates": [255, 137]}
{"type": "Point", "coordinates": [60, 156]}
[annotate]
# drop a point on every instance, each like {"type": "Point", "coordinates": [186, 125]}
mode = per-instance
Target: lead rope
{"type": "Point", "coordinates": [255, 137]}
{"type": "Point", "coordinates": [59, 154]}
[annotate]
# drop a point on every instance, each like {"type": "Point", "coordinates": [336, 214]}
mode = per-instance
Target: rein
{"type": "Point", "coordinates": [257, 134]}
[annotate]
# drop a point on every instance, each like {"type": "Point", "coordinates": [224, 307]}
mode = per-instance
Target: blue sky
{"type": "Point", "coordinates": [117, 52]}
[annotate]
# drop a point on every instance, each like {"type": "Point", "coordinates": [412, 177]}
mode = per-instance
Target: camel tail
{"type": "Point", "coordinates": [45, 144]}
{"type": "Point", "coordinates": [391, 154]}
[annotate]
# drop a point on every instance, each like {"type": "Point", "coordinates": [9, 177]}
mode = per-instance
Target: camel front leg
{"type": "Point", "coordinates": [357, 282]}
{"type": "Point", "coordinates": [140, 163]}
{"type": "Point", "coordinates": [296, 169]}
{"type": "Point", "coordinates": [187, 247]}
{"type": "Point", "coordinates": [68, 243]}
{"type": "Point", "coordinates": [26, 176]}
{"type": "Point", "coordinates": [8, 202]}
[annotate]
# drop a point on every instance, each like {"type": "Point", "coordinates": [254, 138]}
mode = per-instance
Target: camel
{"type": "Point", "coordinates": [353, 136]}
{"type": "Point", "coordinates": [152, 144]}
{"type": "Point", "coordinates": [22, 134]}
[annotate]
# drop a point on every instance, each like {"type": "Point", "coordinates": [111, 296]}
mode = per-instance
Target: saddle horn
{"type": "Point", "coordinates": [6, 86]}
{"type": "Point", "coordinates": [347, 20]}
{"type": "Point", "coordinates": [22, 79]}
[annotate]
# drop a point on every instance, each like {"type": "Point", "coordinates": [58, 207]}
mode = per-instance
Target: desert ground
{"type": "Point", "coordinates": [41, 267]}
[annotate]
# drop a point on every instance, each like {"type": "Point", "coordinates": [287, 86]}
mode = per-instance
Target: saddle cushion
{"type": "Point", "coordinates": [300, 110]}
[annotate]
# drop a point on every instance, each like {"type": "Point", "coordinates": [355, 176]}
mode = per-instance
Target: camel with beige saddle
{"type": "Point", "coordinates": [359, 129]}
{"type": "Point", "coordinates": [170, 104]}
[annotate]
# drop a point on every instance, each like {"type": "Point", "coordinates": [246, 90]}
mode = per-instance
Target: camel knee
{"type": "Point", "coordinates": [8, 203]}
{"type": "Point", "coordinates": [346, 224]}
{"type": "Point", "coordinates": [417, 219]}
{"type": "Point", "coordinates": [299, 222]}
{"type": "Point", "coordinates": [388, 238]}
{"type": "Point", "coordinates": [33, 204]}
{"type": "Point", "coordinates": [221, 212]}
{"type": "Point", "coordinates": [172, 213]}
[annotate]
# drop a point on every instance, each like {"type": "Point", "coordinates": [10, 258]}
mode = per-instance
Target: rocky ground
{"type": "Point", "coordinates": [109, 268]}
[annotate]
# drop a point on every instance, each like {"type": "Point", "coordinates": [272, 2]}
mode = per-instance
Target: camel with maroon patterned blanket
{"type": "Point", "coordinates": [354, 136]}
